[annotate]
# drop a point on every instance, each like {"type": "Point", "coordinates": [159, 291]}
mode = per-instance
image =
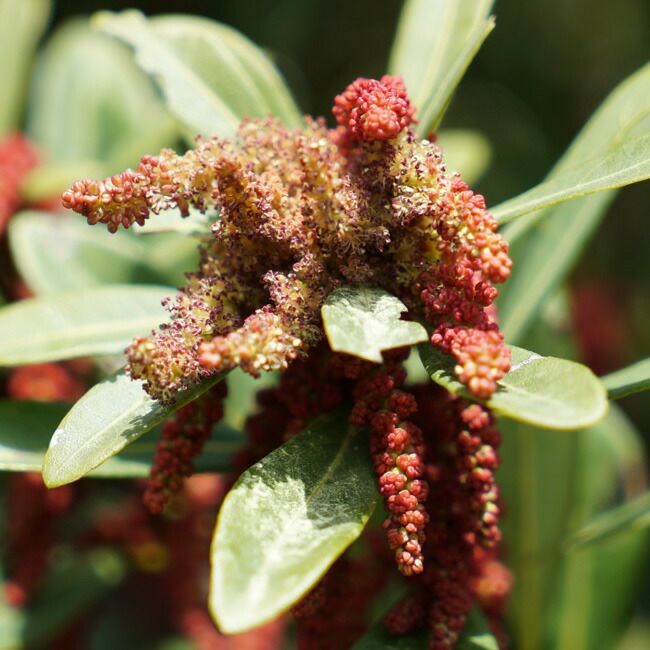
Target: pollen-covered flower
{"type": "Point", "coordinates": [302, 212]}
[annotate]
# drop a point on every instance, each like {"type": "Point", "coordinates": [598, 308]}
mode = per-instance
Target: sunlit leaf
{"type": "Point", "coordinates": [110, 416]}
{"type": "Point", "coordinates": [621, 118]}
{"type": "Point", "coordinates": [622, 164]}
{"type": "Point", "coordinates": [89, 102]}
{"type": "Point", "coordinates": [630, 380]}
{"type": "Point", "coordinates": [26, 429]}
{"type": "Point", "coordinates": [21, 26]}
{"type": "Point", "coordinates": [436, 41]}
{"type": "Point", "coordinates": [210, 75]}
{"type": "Point", "coordinates": [543, 259]}
{"type": "Point", "coordinates": [362, 321]}
{"type": "Point", "coordinates": [543, 391]}
{"type": "Point", "coordinates": [287, 519]}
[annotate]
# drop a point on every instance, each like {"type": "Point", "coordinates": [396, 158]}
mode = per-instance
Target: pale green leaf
{"type": "Point", "coordinates": [89, 322]}
{"type": "Point", "coordinates": [622, 117]}
{"type": "Point", "coordinates": [363, 322]}
{"type": "Point", "coordinates": [210, 75]}
{"type": "Point", "coordinates": [56, 253]}
{"type": "Point", "coordinates": [630, 380]}
{"type": "Point", "coordinates": [633, 515]}
{"type": "Point", "coordinates": [171, 221]}
{"type": "Point", "coordinates": [465, 151]}
{"type": "Point", "coordinates": [543, 391]}
{"type": "Point", "coordinates": [26, 429]}
{"type": "Point", "coordinates": [110, 416]}
{"type": "Point", "coordinates": [287, 520]}
{"type": "Point", "coordinates": [90, 102]}
{"type": "Point", "coordinates": [21, 24]}
{"type": "Point", "coordinates": [435, 42]}
{"type": "Point", "coordinates": [623, 164]}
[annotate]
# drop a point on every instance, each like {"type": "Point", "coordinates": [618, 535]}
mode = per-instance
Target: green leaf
{"type": "Point", "coordinates": [21, 26]}
{"type": "Point", "coordinates": [286, 521]}
{"type": "Point", "coordinates": [364, 322]}
{"type": "Point", "coordinates": [543, 259]}
{"type": "Point", "coordinates": [210, 75]}
{"type": "Point", "coordinates": [624, 163]}
{"type": "Point", "coordinates": [56, 253]}
{"type": "Point", "coordinates": [477, 635]}
{"type": "Point", "coordinates": [26, 429]}
{"type": "Point", "coordinates": [552, 484]}
{"type": "Point", "coordinates": [623, 116]}
{"type": "Point", "coordinates": [542, 391]}
{"type": "Point", "coordinates": [630, 380]}
{"type": "Point", "coordinates": [465, 151]}
{"type": "Point", "coordinates": [435, 42]}
{"type": "Point", "coordinates": [78, 114]}
{"type": "Point", "coordinates": [110, 416]}
{"type": "Point", "coordinates": [89, 322]}
{"type": "Point", "coordinates": [634, 514]}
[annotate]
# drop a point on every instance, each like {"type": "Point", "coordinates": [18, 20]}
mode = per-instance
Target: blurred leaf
{"type": "Point", "coordinates": [435, 42]}
{"type": "Point", "coordinates": [543, 260]}
{"type": "Point", "coordinates": [476, 634]}
{"type": "Point", "coordinates": [630, 380]}
{"type": "Point", "coordinates": [622, 116]}
{"type": "Point", "coordinates": [97, 321]}
{"type": "Point", "coordinates": [26, 429]}
{"type": "Point", "coordinates": [56, 253]}
{"type": "Point", "coordinates": [69, 589]}
{"type": "Point", "coordinates": [46, 181]}
{"type": "Point", "coordinates": [89, 102]}
{"type": "Point", "coordinates": [542, 391]}
{"type": "Point", "coordinates": [465, 151]}
{"type": "Point", "coordinates": [286, 521]}
{"type": "Point", "coordinates": [552, 484]}
{"type": "Point", "coordinates": [634, 514]}
{"type": "Point", "coordinates": [363, 322]}
{"type": "Point", "coordinates": [21, 26]}
{"type": "Point", "coordinates": [171, 221]}
{"type": "Point", "coordinates": [211, 76]}
{"type": "Point", "coordinates": [622, 164]}
{"type": "Point", "coordinates": [242, 392]}
{"type": "Point", "coordinates": [110, 416]}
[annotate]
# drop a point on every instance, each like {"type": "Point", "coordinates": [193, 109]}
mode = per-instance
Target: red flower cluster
{"type": "Point", "coordinates": [182, 440]}
{"type": "Point", "coordinates": [397, 449]}
{"type": "Point", "coordinates": [45, 382]}
{"type": "Point", "coordinates": [374, 110]}
{"type": "Point", "coordinates": [463, 512]}
{"type": "Point", "coordinates": [17, 157]}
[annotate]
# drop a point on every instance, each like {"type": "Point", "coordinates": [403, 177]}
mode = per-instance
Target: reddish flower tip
{"type": "Point", "coordinates": [374, 110]}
